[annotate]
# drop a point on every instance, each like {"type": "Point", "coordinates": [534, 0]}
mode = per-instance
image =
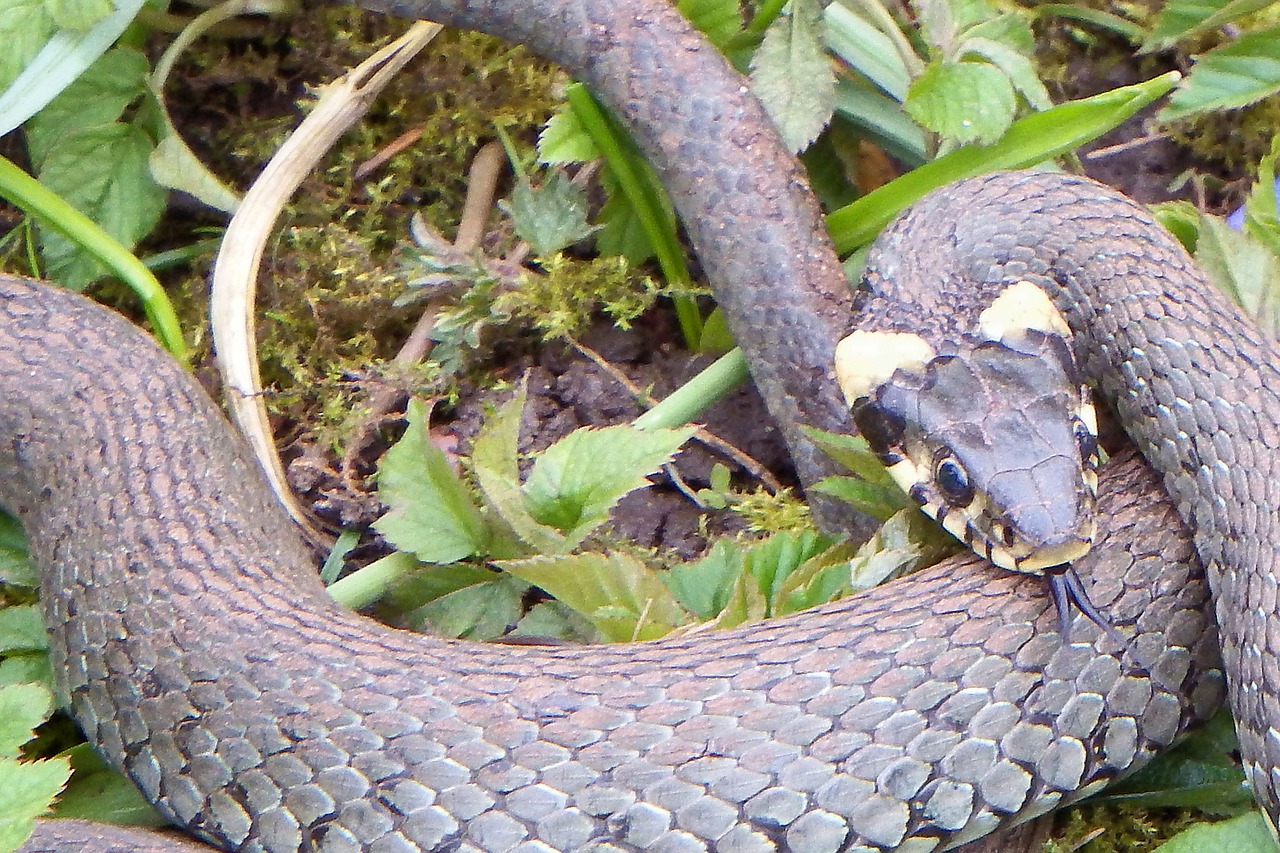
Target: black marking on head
{"type": "Point", "coordinates": [882, 427]}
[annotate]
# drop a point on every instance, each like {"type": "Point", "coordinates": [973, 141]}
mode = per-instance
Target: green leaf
{"type": "Point", "coordinates": [97, 98]}
{"type": "Point", "coordinates": [27, 790]}
{"type": "Point", "coordinates": [78, 14]}
{"type": "Point", "coordinates": [102, 171]}
{"type": "Point", "coordinates": [1247, 833]}
{"type": "Point", "coordinates": [22, 708]}
{"type": "Point", "coordinates": [431, 513]}
{"type": "Point", "coordinates": [871, 489]}
{"type": "Point", "coordinates": [1243, 268]}
{"type": "Point", "coordinates": [1262, 215]}
{"type": "Point", "coordinates": [792, 76]}
{"type": "Point", "coordinates": [550, 217]}
{"type": "Point", "coordinates": [564, 140]}
{"type": "Point", "coordinates": [22, 629]}
{"type": "Point", "coordinates": [576, 481]}
{"type": "Point", "coordinates": [62, 58]}
{"type": "Point", "coordinates": [908, 541]}
{"type": "Point", "coordinates": [495, 459]}
{"type": "Point", "coordinates": [1018, 67]}
{"type": "Point", "coordinates": [1122, 27]}
{"type": "Point", "coordinates": [1030, 141]}
{"type": "Point", "coordinates": [99, 792]}
{"type": "Point", "coordinates": [623, 598]}
{"type": "Point", "coordinates": [1182, 19]}
{"type": "Point", "coordinates": [772, 561]}
{"type": "Point", "coordinates": [718, 20]}
{"type": "Point", "coordinates": [480, 612]}
{"type": "Point", "coordinates": [962, 101]}
{"type": "Point", "coordinates": [1200, 772]}
{"type": "Point", "coordinates": [556, 620]}
{"type": "Point", "coordinates": [15, 563]}
{"type": "Point", "coordinates": [1232, 76]}
{"type": "Point", "coordinates": [704, 586]}
{"type": "Point", "coordinates": [821, 578]}
{"type": "Point", "coordinates": [27, 669]}
{"type": "Point", "coordinates": [25, 26]}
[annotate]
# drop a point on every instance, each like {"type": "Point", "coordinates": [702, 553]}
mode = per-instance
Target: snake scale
{"type": "Point", "coordinates": [201, 654]}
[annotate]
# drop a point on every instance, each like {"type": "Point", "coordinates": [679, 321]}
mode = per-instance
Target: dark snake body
{"type": "Point", "coordinates": [201, 654]}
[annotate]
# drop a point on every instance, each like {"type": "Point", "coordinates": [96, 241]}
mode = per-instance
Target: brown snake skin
{"type": "Point", "coordinates": [203, 657]}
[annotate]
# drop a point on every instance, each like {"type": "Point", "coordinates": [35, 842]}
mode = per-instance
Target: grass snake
{"type": "Point", "coordinates": [202, 656]}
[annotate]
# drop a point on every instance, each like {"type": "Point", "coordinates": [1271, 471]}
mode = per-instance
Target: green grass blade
{"type": "Point", "coordinates": [31, 196]}
{"type": "Point", "coordinates": [1030, 141]}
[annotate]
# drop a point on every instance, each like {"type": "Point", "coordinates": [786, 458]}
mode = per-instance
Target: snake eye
{"type": "Point", "coordinates": [1086, 439]}
{"type": "Point", "coordinates": [953, 481]}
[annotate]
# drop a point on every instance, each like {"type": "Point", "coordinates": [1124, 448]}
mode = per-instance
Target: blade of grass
{"type": "Point", "coordinates": [32, 197]}
{"type": "Point", "coordinates": [1030, 141]}
{"type": "Point", "coordinates": [641, 189]}
{"type": "Point", "coordinates": [693, 397]}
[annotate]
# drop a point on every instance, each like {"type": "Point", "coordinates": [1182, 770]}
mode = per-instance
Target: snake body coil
{"type": "Point", "coordinates": [202, 656]}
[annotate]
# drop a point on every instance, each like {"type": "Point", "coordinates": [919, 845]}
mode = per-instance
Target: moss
{"type": "Point", "coordinates": [766, 513]}
{"type": "Point", "coordinates": [561, 302]}
{"type": "Point", "coordinates": [1118, 828]}
{"type": "Point", "coordinates": [328, 321]}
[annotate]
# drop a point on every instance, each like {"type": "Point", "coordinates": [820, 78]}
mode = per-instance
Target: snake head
{"type": "Point", "coordinates": [996, 438]}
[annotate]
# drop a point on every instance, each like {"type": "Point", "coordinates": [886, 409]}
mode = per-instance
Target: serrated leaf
{"type": "Point", "coordinates": [555, 620]}
{"type": "Point", "coordinates": [704, 586]}
{"type": "Point", "coordinates": [481, 612]}
{"type": "Point", "coordinates": [27, 669]}
{"type": "Point", "coordinates": [97, 98]}
{"type": "Point", "coordinates": [622, 597]}
{"type": "Point", "coordinates": [792, 76]}
{"type": "Point", "coordinates": [877, 502]}
{"type": "Point", "coordinates": [78, 14]}
{"type": "Point", "coordinates": [1247, 833]}
{"type": "Point", "coordinates": [15, 563]}
{"type": "Point", "coordinates": [1018, 67]}
{"type": "Point", "coordinates": [622, 231]}
{"type": "Point", "coordinates": [851, 451]}
{"type": "Point", "coordinates": [576, 481]}
{"type": "Point", "coordinates": [495, 459]}
{"type": "Point", "coordinates": [99, 792]}
{"type": "Point", "coordinates": [821, 578]}
{"type": "Point", "coordinates": [718, 20]}
{"type": "Point", "coordinates": [1243, 268]}
{"type": "Point", "coordinates": [431, 512]}
{"type": "Point", "coordinates": [564, 140]}
{"type": "Point", "coordinates": [745, 604]}
{"type": "Point", "coordinates": [1031, 140]}
{"type": "Point", "coordinates": [962, 101]}
{"type": "Point", "coordinates": [772, 561]}
{"type": "Point", "coordinates": [550, 217]}
{"type": "Point", "coordinates": [22, 708]}
{"type": "Point", "coordinates": [25, 26]}
{"type": "Point", "coordinates": [1231, 76]}
{"type": "Point", "coordinates": [908, 541]}
{"type": "Point", "coordinates": [1181, 19]}
{"type": "Point", "coordinates": [22, 629]}
{"type": "Point", "coordinates": [27, 790]}
{"type": "Point", "coordinates": [103, 172]}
